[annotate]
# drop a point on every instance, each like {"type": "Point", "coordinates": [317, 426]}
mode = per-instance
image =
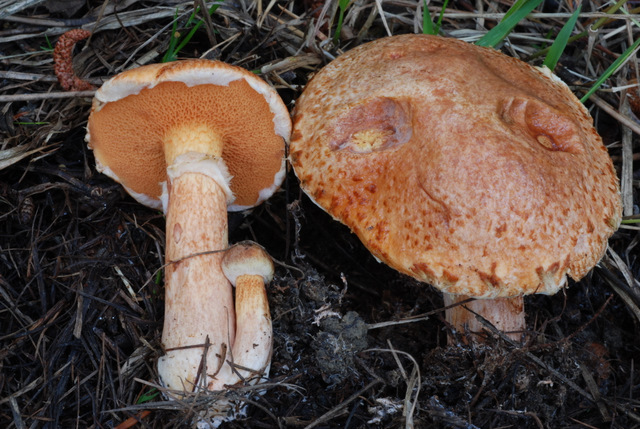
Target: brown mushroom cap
{"type": "Point", "coordinates": [457, 165]}
{"type": "Point", "coordinates": [133, 112]}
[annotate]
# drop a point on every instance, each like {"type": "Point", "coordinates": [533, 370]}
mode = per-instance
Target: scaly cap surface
{"type": "Point", "coordinates": [457, 165]}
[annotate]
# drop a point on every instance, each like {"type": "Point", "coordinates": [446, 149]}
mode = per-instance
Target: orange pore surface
{"type": "Point", "coordinates": [127, 135]}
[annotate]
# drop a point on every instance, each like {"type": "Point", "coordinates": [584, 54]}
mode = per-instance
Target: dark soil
{"type": "Point", "coordinates": [81, 292]}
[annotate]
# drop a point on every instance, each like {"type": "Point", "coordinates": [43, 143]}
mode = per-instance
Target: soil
{"type": "Point", "coordinates": [356, 344]}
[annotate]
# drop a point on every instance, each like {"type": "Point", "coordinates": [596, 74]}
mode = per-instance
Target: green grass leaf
{"type": "Point", "coordinates": [441, 16]}
{"type": "Point", "coordinates": [558, 46]}
{"type": "Point", "coordinates": [342, 8]}
{"type": "Point", "coordinates": [514, 8]}
{"type": "Point", "coordinates": [170, 55]}
{"type": "Point", "coordinates": [611, 70]}
{"type": "Point", "coordinates": [595, 26]}
{"type": "Point", "coordinates": [49, 46]}
{"type": "Point", "coordinates": [177, 42]}
{"type": "Point", "coordinates": [427, 22]}
{"type": "Point", "coordinates": [148, 396]}
{"type": "Point", "coordinates": [516, 14]}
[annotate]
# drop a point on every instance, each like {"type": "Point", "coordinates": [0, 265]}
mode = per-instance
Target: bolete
{"type": "Point", "coordinates": [459, 166]}
{"type": "Point", "coordinates": [196, 138]}
{"type": "Point", "coordinates": [249, 267]}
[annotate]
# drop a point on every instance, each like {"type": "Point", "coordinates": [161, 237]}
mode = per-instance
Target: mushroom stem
{"type": "Point", "coordinates": [199, 310]}
{"type": "Point", "coordinates": [506, 314]}
{"type": "Point", "coordinates": [250, 356]}
{"type": "Point", "coordinates": [249, 268]}
{"type": "Point", "coordinates": [194, 138]}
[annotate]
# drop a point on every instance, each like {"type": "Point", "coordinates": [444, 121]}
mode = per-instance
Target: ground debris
{"type": "Point", "coordinates": [81, 293]}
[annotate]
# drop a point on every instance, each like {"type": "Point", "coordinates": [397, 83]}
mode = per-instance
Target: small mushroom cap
{"type": "Point", "coordinates": [134, 111]}
{"type": "Point", "coordinates": [247, 258]}
{"type": "Point", "coordinates": [457, 165]}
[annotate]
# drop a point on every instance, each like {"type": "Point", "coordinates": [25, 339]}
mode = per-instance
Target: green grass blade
{"type": "Point", "coordinates": [170, 55]}
{"type": "Point", "coordinates": [514, 8]}
{"type": "Point", "coordinates": [188, 37]}
{"type": "Point", "coordinates": [427, 22]}
{"type": "Point", "coordinates": [49, 46]}
{"type": "Point", "coordinates": [175, 45]}
{"type": "Point", "coordinates": [444, 7]}
{"type": "Point", "coordinates": [342, 7]}
{"type": "Point", "coordinates": [632, 20]}
{"type": "Point", "coordinates": [192, 17]}
{"type": "Point", "coordinates": [558, 46]}
{"type": "Point", "coordinates": [148, 396]}
{"type": "Point", "coordinates": [595, 26]}
{"type": "Point", "coordinates": [630, 221]}
{"type": "Point", "coordinates": [502, 30]}
{"type": "Point", "coordinates": [611, 70]}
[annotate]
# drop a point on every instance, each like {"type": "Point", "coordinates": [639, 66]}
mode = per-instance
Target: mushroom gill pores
{"type": "Point", "coordinates": [457, 165]}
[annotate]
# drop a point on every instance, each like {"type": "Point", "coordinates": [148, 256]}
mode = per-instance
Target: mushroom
{"type": "Point", "coordinates": [461, 167]}
{"type": "Point", "coordinates": [195, 138]}
{"type": "Point", "coordinates": [249, 268]}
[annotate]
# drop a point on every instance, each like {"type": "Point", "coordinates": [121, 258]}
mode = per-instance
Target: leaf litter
{"type": "Point", "coordinates": [355, 344]}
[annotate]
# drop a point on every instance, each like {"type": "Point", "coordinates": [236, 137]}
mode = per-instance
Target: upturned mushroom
{"type": "Point", "coordinates": [196, 138]}
{"type": "Point", "coordinates": [461, 167]}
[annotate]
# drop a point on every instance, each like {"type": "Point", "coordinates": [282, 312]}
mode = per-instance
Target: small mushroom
{"type": "Point", "coordinates": [249, 268]}
{"type": "Point", "coordinates": [459, 166]}
{"type": "Point", "coordinates": [195, 138]}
